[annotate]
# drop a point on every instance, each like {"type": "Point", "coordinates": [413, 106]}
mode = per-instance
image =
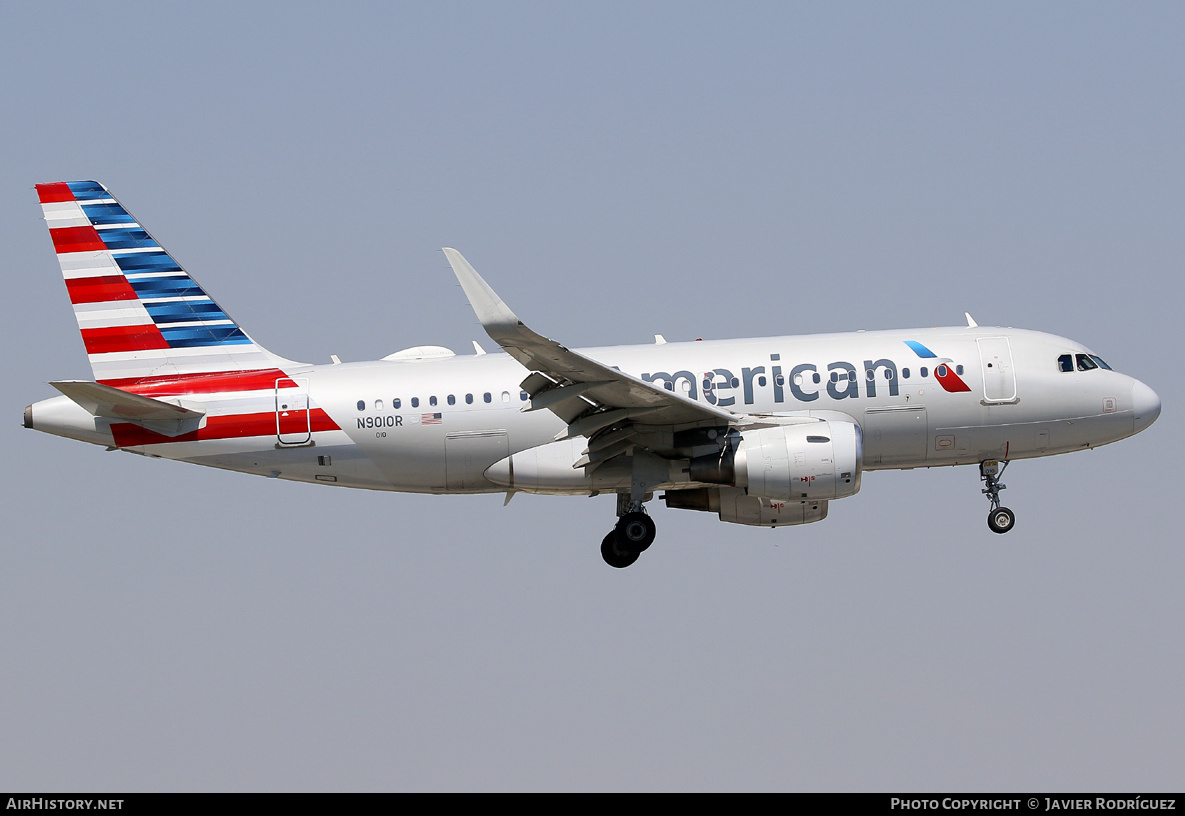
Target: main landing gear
{"type": "Point", "coordinates": [1001, 519]}
{"type": "Point", "coordinates": [633, 533]}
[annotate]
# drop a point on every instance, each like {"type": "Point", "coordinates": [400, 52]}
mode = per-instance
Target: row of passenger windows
{"type": "Point", "coordinates": [451, 399]}
{"type": "Point", "coordinates": [1080, 362]}
{"type": "Point", "coordinates": [924, 371]}
{"type": "Point", "coordinates": [487, 397]}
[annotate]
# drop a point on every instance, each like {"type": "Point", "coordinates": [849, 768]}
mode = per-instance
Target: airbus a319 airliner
{"type": "Point", "coordinates": [763, 432]}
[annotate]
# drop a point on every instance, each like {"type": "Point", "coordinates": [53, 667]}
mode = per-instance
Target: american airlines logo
{"type": "Point", "coordinates": [806, 382]}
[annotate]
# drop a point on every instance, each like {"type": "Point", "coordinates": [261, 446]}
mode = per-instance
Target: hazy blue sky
{"type": "Point", "coordinates": [614, 170]}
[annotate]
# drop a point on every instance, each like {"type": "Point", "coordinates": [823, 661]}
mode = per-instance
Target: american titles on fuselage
{"type": "Point", "coordinates": [716, 386]}
{"type": "Point", "coordinates": [842, 382]}
{"type": "Point", "coordinates": [802, 383]}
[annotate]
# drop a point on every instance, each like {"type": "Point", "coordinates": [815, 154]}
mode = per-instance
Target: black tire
{"type": "Point", "coordinates": [613, 556]}
{"type": "Point", "coordinates": [1001, 520]}
{"type": "Point", "coordinates": [635, 532]}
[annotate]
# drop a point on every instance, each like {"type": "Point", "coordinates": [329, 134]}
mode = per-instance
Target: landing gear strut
{"type": "Point", "coordinates": [634, 531]}
{"type": "Point", "coordinates": [1001, 519]}
{"type": "Point", "coordinates": [630, 537]}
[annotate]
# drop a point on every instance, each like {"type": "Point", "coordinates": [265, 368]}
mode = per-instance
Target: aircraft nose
{"type": "Point", "coordinates": [1145, 405]}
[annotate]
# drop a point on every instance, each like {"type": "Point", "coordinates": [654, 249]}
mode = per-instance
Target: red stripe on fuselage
{"type": "Point", "coordinates": [51, 193]}
{"type": "Point", "coordinates": [76, 239]}
{"type": "Point", "coordinates": [236, 426]}
{"type": "Point", "coordinates": [100, 289]}
{"type": "Point", "coordinates": [212, 383]}
{"type": "Point", "coordinates": [123, 338]}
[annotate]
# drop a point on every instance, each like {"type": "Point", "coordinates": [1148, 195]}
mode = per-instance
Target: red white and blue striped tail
{"type": "Point", "coordinates": [140, 313]}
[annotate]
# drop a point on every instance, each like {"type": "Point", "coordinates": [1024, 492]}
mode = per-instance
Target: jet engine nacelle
{"type": "Point", "coordinates": [813, 461]}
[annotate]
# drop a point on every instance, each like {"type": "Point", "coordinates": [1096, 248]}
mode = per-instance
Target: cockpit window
{"type": "Point", "coordinates": [1085, 363]}
{"type": "Point", "coordinates": [1099, 360]}
{"type": "Point", "coordinates": [1065, 362]}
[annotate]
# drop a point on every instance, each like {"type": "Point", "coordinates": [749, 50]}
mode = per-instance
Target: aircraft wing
{"type": "Point", "coordinates": [586, 394]}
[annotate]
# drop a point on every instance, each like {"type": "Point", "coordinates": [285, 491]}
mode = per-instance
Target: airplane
{"type": "Point", "coordinates": [762, 431]}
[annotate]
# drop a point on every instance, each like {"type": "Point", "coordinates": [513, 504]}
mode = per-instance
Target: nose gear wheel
{"type": "Point", "coordinates": [1000, 519]}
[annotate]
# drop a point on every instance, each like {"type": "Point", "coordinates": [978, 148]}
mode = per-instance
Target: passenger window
{"type": "Point", "coordinates": [395, 403]}
{"type": "Point", "coordinates": [487, 397]}
{"type": "Point", "coordinates": [925, 372]}
{"type": "Point", "coordinates": [468, 399]}
{"type": "Point", "coordinates": [1085, 363]}
{"type": "Point", "coordinates": [1065, 363]}
{"type": "Point", "coordinates": [524, 396]}
{"type": "Point", "coordinates": [378, 405]}
{"type": "Point", "coordinates": [415, 402]}
{"type": "Point", "coordinates": [361, 405]}
{"type": "Point", "coordinates": [431, 400]}
{"type": "Point", "coordinates": [959, 370]}
{"type": "Point", "coordinates": [905, 373]}
{"type": "Point", "coordinates": [452, 400]}
{"type": "Point", "coordinates": [506, 396]}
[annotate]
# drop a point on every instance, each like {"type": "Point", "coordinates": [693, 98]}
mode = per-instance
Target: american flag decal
{"type": "Point", "coordinates": [430, 419]}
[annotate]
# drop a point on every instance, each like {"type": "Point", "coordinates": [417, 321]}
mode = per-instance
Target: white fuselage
{"type": "Point", "coordinates": [458, 425]}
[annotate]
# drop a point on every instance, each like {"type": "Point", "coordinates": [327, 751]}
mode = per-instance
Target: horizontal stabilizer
{"type": "Point", "coordinates": [122, 406]}
{"type": "Point", "coordinates": [112, 403]}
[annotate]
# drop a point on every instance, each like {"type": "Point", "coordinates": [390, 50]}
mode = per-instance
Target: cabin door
{"type": "Point", "coordinates": [999, 375]}
{"type": "Point", "coordinates": [293, 426]}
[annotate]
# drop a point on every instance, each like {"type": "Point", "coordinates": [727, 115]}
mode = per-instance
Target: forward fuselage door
{"type": "Point", "coordinates": [293, 426]}
{"type": "Point", "coordinates": [999, 375]}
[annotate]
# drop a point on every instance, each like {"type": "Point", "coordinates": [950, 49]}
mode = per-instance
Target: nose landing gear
{"type": "Point", "coordinates": [1000, 519]}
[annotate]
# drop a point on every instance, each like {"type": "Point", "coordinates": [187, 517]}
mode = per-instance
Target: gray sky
{"type": "Point", "coordinates": [614, 170]}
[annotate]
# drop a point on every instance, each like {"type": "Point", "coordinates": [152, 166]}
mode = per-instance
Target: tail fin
{"type": "Point", "coordinates": [140, 313]}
